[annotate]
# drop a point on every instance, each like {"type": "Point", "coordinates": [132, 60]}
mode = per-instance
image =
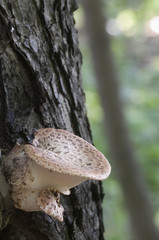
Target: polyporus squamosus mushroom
{"type": "Point", "coordinates": [55, 162]}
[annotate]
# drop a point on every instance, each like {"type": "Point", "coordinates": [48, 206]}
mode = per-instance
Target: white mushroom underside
{"type": "Point", "coordinates": [42, 179]}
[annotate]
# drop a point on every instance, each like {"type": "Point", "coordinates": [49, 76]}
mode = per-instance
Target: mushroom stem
{"type": "Point", "coordinates": [49, 201]}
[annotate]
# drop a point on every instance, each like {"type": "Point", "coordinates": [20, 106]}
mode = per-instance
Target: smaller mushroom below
{"type": "Point", "coordinates": [55, 162]}
{"type": "Point", "coordinates": [49, 201]}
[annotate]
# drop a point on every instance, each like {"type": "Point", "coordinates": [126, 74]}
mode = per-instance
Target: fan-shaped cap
{"type": "Point", "coordinates": [63, 152]}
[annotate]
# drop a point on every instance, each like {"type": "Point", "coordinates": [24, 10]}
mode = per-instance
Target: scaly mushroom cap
{"type": "Point", "coordinates": [63, 152]}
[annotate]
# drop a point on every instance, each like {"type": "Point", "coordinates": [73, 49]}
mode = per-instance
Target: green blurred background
{"type": "Point", "coordinates": [134, 30]}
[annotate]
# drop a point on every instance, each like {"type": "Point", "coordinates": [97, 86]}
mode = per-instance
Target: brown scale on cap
{"type": "Point", "coordinates": [77, 156]}
{"type": "Point", "coordinates": [57, 160]}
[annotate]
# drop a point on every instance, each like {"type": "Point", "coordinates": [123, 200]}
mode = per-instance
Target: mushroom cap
{"type": "Point", "coordinates": [63, 152]}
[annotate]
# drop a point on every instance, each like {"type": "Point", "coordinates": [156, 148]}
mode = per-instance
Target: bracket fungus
{"type": "Point", "coordinates": [55, 162]}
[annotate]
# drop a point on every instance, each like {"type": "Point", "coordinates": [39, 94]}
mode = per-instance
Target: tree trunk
{"type": "Point", "coordinates": [124, 161]}
{"type": "Point", "coordinates": [40, 86]}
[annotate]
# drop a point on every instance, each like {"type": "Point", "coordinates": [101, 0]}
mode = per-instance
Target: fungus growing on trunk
{"type": "Point", "coordinates": [55, 162]}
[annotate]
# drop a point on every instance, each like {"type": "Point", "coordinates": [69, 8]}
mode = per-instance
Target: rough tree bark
{"type": "Point", "coordinates": [40, 86]}
{"type": "Point", "coordinates": [124, 161]}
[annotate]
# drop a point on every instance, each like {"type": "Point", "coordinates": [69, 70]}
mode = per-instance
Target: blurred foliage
{"type": "Point", "coordinates": [135, 47]}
